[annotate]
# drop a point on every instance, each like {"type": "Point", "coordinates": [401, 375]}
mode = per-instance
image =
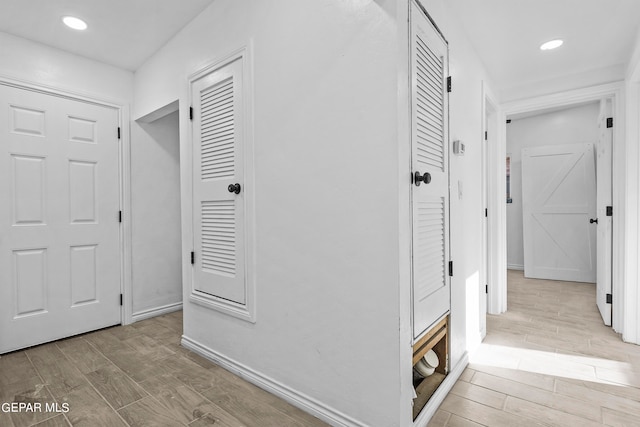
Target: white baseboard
{"type": "Point", "coordinates": [515, 267]}
{"type": "Point", "coordinates": [156, 311]}
{"type": "Point", "coordinates": [441, 392]}
{"type": "Point", "coordinates": [296, 398]}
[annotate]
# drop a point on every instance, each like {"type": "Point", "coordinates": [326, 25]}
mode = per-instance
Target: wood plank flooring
{"type": "Point", "coordinates": [135, 375]}
{"type": "Point", "coordinates": [548, 361]}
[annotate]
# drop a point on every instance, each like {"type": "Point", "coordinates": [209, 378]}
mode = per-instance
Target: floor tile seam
{"type": "Point", "coordinates": [86, 378]}
{"type": "Point", "coordinates": [130, 379]}
{"type": "Point", "coordinates": [95, 346]}
{"type": "Point", "coordinates": [511, 379]}
{"type": "Point", "coordinates": [491, 408]}
{"type": "Point", "coordinates": [551, 408]}
{"type": "Point", "coordinates": [188, 386]}
{"type": "Point", "coordinates": [151, 396]}
{"type": "Point", "coordinates": [485, 388]}
{"type": "Point", "coordinates": [63, 415]}
{"type": "Point", "coordinates": [149, 393]}
{"type": "Point", "coordinates": [562, 410]}
{"type": "Point", "coordinates": [296, 421]}
{"type": "Point", "coordinates": [107, 402]}
{"type": "Point", "coordinates": [44, 383]}
{"type": "Point", "coordinates": [447, 424]}
{"type": "Point", "coordinates": [106, 356]}
{"type": "Point", "coordinates": [622, 411]}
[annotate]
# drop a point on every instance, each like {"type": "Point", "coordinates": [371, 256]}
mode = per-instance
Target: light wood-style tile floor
{"type": "Point", "coordinates": [135, 375]}
{"type": "Point", "coordinates": [548, 361]}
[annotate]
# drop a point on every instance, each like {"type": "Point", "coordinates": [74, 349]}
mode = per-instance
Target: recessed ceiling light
{"type": "Point", "coordinates": [75, 23]}
{"type": "Point", "coordinates": [551, 44]}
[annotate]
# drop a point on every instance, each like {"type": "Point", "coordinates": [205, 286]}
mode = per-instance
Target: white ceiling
{"type": "Point", "coordinates": [123, 33]}
{"type": "Point", "coordinates": [507, 34]}
{"type": "Point", "coordinates": [598, 34]}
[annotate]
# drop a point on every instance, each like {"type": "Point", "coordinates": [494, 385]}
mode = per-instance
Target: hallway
{"type": "Point", "coordinates": [547, 361]}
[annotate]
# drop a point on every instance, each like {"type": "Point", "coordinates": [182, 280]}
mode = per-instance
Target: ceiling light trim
{"type": "Point", "coordinates": [74, 23]}
{"type": "Point", "coordinates": [551, 44]}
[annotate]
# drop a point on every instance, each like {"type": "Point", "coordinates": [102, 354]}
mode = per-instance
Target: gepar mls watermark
{"type": "Point", "coordinates": [18, 407]}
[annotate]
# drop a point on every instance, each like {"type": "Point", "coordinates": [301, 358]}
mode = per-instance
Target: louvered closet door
{"type": "Point", "coordinates": [429, 145]}
{"type": "Point", "coordinates": [218, 163]}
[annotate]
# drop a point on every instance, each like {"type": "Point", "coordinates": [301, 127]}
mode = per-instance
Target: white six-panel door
{"type": "Point", "coordinates": [218, 184]}
{"type": "Point", "coordinates": [59, 225]}
{"type": "Point", "coordinates": [429, 158]}
{"type": "Point", "coordinates": [559, 202]}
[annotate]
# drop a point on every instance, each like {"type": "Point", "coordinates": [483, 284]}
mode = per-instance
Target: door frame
{"type": "Point", "coordinates": [630, 268]}
{"type": "Point", "coordinates": [247, 311]}
{"type": "Point", "coordinates": [124, 173]}
{"type": "Point", "coordinates": [495, 245]}
{"type": "Point", "coordinates": [614, 91]}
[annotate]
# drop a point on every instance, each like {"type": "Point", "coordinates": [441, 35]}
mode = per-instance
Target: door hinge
{"type": "Point", "coordinates": [119, 216]}
{"type": "Point", "coordinates": [118, 132]}
{"type": "Point", "coordinates": [486, 212]}
{"type": "Point", "coordinates": [190, 113]}
{"type": "Point", "coordinates": [609, 122]}
{"type": "Point", "coordinates": [486, 135]}
{"type": "Point", "coordinates": [450, 268]}
{"type": "Point", "coordinates": [449, 84]}
{"type": "Point", "coordinates": [609, 210]}
{"type": "Point", "coordinates": [120, 299]}
{"type": "Point", "coordinates": [508, 121]}
{"type": "Point", "coordinates": [193, 257]}
{"type": "Point", "coordinates": [609, 298]}
{"type": "Point", "coordinates": [486, 289]}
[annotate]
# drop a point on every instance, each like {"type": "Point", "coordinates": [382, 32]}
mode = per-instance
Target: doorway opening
{"type": "Point", "coordinates": [155, 214]}
{"type": "Point", "coordinates": [490, 138]}
{"type": "Point", "coordinates": [558, 195]}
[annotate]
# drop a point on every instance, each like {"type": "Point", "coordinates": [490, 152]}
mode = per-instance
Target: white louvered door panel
{"type": "Point", "coordinates": [218, 214]}
{"type": "Point", "coordinates": [430, 147]}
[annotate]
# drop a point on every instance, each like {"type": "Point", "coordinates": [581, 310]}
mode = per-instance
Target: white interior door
{"type": "Point", "coordinates": [559, 204]}
{"type": "Point", "coordinates": [218, 184]}
{"type": "Point", "coordinates": [430, 173]}
{"type": "Point", "coordinates": [484, 276]}
{"type": "Point", "coordinates": [604, 199]}
{"type": "Point", "coordinates": [59, 226]}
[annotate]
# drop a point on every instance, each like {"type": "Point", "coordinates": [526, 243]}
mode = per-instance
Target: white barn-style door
{"type": "Point", "coordinates": [218, 184]}
{"type": "Point", "coordinates": [430, 172]}
{"type": "Point", "coordinates": [559, 212]}
{"type": "Point", "coordinates": [59, 218]}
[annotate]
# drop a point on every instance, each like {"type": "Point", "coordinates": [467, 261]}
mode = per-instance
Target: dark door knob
{"type": "Point", "coordinates": [591, 221]}
{"type": "Point", "coordinates": [417, 178]}
{"type": "Point", "coordinates": [234, 188]}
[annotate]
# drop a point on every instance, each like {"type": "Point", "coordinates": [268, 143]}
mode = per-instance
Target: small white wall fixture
{"type": "Point", "coordinates": [621, 191]}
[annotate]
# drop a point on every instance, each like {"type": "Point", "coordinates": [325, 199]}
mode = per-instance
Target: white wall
{"type": "Point", "coordinates": [326, 263]}
{"type": "Point", "coordinates": [155, 215]}
{"type": "Point", "coordinates": [467, 210]}
{"type": "Point", "coordinates": [32, 62]}
{"type": "Point", "coordinates": [631, 292]}
{"type": "Point", "coordinates": [569, 126]}
{"type": "Point", "coordinates": [587, 78]}
{"type": "Point", "coordinates": [331, 195]}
